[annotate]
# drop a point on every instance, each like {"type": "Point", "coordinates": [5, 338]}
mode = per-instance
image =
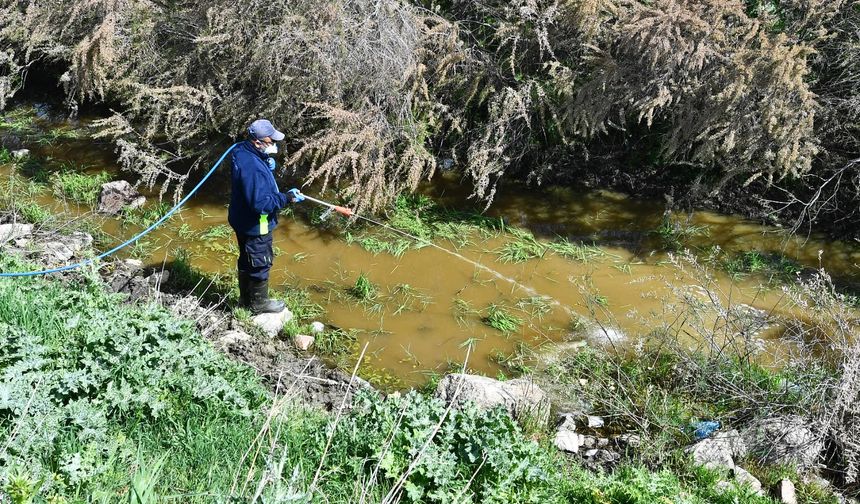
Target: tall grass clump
{"type": "Point", "coordinates": [80, 187]}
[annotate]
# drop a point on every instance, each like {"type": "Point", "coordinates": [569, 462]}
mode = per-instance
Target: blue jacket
{"type": "Point", "coordinates": [255, 200]}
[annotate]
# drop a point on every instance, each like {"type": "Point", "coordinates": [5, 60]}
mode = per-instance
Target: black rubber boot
{"type": "Point", "coordinates": [259, 300]}
{"type": "Point", "coordinates": [244, 290]}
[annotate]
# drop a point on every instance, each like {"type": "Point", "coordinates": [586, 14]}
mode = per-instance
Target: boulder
{"type": "Point", "coordinates": [78, 241]}
{"type": "Point", "coordinates": [594, 422]}
{"type": "Point", "coordinates": [521, 397]}
{"type": "Point", "coordinates": [303, 341]}
{"type": "Point", "coordinates": [57, 252]}
{"type": "Point", "coordinates": [629, 440]}
{"type": "Point", "coordinates": [20, 153]}
{"type": "Point", "coordinates": [232, 337]}
{"type": "Point", "coordinates": [9, 232]}
{"type": "Point", "coordinates": [719, 452]}
{"type": "Point", "coordinates": [743, 477]}
{"type": "Point", "coordinates": [783, 440]}
{"type": "Point", "coordinates": [567, 441]}
{"type": "Point", "coordinates": [272, 323]}
{"type": "Point", "coordinates": [317, 327]}
{"type": "Point", "coordinates": [119, 194]}
{"type": "Point", "coordinates": [787, 493]}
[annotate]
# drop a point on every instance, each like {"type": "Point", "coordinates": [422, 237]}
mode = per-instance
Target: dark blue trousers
{"type": "Point", "coordinates": [255, 255]}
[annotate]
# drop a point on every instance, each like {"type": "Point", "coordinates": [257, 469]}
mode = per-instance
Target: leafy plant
{"type": "Point", "coordinates": [500, 319]}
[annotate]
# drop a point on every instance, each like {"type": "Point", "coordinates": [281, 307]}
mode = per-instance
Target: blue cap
{"type": "Point", "coordinates": [262, 128]}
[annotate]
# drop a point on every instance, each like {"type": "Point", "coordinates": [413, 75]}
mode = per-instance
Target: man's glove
{"type": "Point", "coordinates": [272, 164]}
{"type": "Point", "coordinates": [295, 195]}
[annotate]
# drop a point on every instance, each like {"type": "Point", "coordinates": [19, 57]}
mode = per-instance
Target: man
{"type": "Point", "coordinates": [254, 205]}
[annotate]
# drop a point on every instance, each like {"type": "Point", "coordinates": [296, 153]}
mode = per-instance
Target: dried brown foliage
{"type": "Point", "coordinates": [374, 91]}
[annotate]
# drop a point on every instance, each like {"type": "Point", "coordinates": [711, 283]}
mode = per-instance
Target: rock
{"type": "Point", "coordinates": [712, 453]}
{"type": "Point", "coordinates": [232, 337]}
{"type": "Point", "coordinates": [566, 422]}
{"type": "Point", "coordinates": [594, 422]}
{"type": "Point", "coordinates": [20, 153]}
{"type": "Point", "coordinates": [522, 398]}
{"type": "Point", "coordinates": [602, 442]}
{"type": "Point", "coordinates": [317, 327]}
{"type": "Point", "coordinates": [743, 477]}
{"type": "Point", "coordinates": [78, 241]}
{"type": "Point", "coordinates": [605, 457]}
{"type": "Point", "coordinates": [9, 232]}
{"type": "Point", "coordinates": [272, 323]}
{"type": "Point", "coordinates": [787, 493]}
{"type": "Point", "coordinates": [589, 442]}
{"type": "Point", "coordinates": [629, 440]}
{"type": "Point", "coordinates": [119, 194]}
{"type": "Point", "coordinates": [783, 440]}
{"type": "Point", "coordinates": [132, 265]}
{"type": "Point", "coordinates": [591, 453]}
{"type": "Point", "coordinates": [57, 252]}
{"type": "Point", "coordinates": [568, 441]}
{"type": "Point", "coordinates": [303, 341]}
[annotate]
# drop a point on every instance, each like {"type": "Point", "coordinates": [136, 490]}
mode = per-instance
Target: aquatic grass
{"type": "Point", "coordinates": [753, 262]}
{"type": "Point", "coordinates": [535, 306]}
{"type": "Point", "coordinates": [675, 234]}
{"type": "Point", "coordinates": [146, 215]}
{"type": "Point", "coordinates": [523, 247]}
{"type": "Point", "coordinates": [376, 244]}
{"type": "Point", "coordinates": [499, 318]}
{"type": "Point", "coordinates": [218, 232]}
{"type": "Point", "coordinates": [518, 362]}
{"type": "Point", "coordinates": [33, 212]}
{"type": "Point", "coordinates": [364, 289]}
{"type": "Point", "coordinates": [20, 120]}
{"type": "Point", "coordinates": [80, 187]}
{"type": "Point", "coordinates": [336, 343]}
{"type": "Point", "coordinates": [576, 251]}
{"type": "Point", "coordinates": [462, 311]}
{"type": "Point", "coordinates": [404, 298]}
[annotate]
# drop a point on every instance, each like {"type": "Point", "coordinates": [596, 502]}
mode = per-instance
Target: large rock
{"type": "Point", "coordinates": [272, 323]}
{"type": "Point", "coordinates": [719, 451]}
{"type": "Point", "coordinates": [784, 440]}
{"type": "Point", "coordinates": [119, 194]}
{"type": "Point", "coordinates": [787, 493]}
{"type": "Point", "coordinates": [523, 399]}
{"type": "Point", "coordinates": [20, 154]}
{"type": "Point", "coordinates": [743, 477]}
{"type": "Point", "coordinates": [9, 232]}
{"type": "Point", "coordinates": [57, 252]}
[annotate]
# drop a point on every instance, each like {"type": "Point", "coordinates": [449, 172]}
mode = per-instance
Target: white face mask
{"type": "Point", "coordinates": [271, 149]}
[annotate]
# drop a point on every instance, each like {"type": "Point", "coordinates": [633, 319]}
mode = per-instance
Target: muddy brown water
{"type": "Point", "coordinates": [630, 290]}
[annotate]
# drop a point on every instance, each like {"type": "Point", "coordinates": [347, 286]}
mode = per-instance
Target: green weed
{"type": "Point", "coordinates": [500, 319]}
{"type": "Point", "coordinates": [146, 215]}
{"type": "Point", "coordinates": [218, 232]}
{"type": "Point", "coordinates": [675, 234]}
{"type": "Point", "coordinates": [364, 289]}
{"type": "Point", "coordinates": [79, 187]}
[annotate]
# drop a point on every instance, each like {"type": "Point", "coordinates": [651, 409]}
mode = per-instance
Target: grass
{"type": "Point", "coordinates": [499, 318]}
{"type": "Point", "coordinates": [144, 216]}
{"type": "Point", "coordinates": [776, 266]}
{"type": "Point", "coordinates": [675, 234]}
{"type": "Point", "coordinates": [125, 402]}
{"type": "Point", "coordinates": [80, 187]}
{"type": "Point", "coordinates": [523, 247]}
{"type": "Point", "coordinates": [364, 290]}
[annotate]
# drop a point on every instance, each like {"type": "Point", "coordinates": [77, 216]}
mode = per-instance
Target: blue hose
{"type": "Point", "coordinates": [133, 238]}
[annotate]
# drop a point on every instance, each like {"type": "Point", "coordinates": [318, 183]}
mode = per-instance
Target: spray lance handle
{"type": "Point", "coordinates": [346, 212]}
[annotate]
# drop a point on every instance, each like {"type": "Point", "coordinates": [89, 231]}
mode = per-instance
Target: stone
{"type": "Point", "coordinates": [272, 323]}
{"type": "Point", "coordinates": [591, 453]}
{"type": "Point", "coordinates": [602, 442]}
{"type": "Point", "coordinates": [594, 422]}
{"type": "Point", "coordinates": [303, 341]}
{"type": "Point", "coordinates": [605, 457]}
{"type": "Point", "coordinates": [743, 477]}
{"type": "Point", "coordinates": [9, 232]}
{"type": "Point", "coordinates": [629, 440]}
{"type": "Point", "coordinates": [232, 337]}
{"type": "Point", "coordinates": [589, 441]}
{"type": "Point", "coordinates": [57, 252]}
{"type": "Point", "coordinates": [712, 453]}
{"type": "Point", "coordinates": [522, 398]}
{"type": "Point", "coordinates": [117, 195]}
{"type": "Point", "coordinates": [784, 440]}
{"type": "Point", "coordinates": [566, 422]}
{"type": "Point", "coordinates": [78, 241]}
{"type": "Point", "coordinates": [787, 493]}
{"type": "Point", "coordinates": [317, 327]}
{"type": "Point", "coordinates": [567, 441]}
{"type": "Point", "coordinates": [20, 153]}
{"type": "Point", "coordinates": [132, 265]}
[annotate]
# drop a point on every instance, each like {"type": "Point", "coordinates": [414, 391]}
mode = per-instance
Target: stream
{"type": "Point", "coordinates": [431, 305]}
